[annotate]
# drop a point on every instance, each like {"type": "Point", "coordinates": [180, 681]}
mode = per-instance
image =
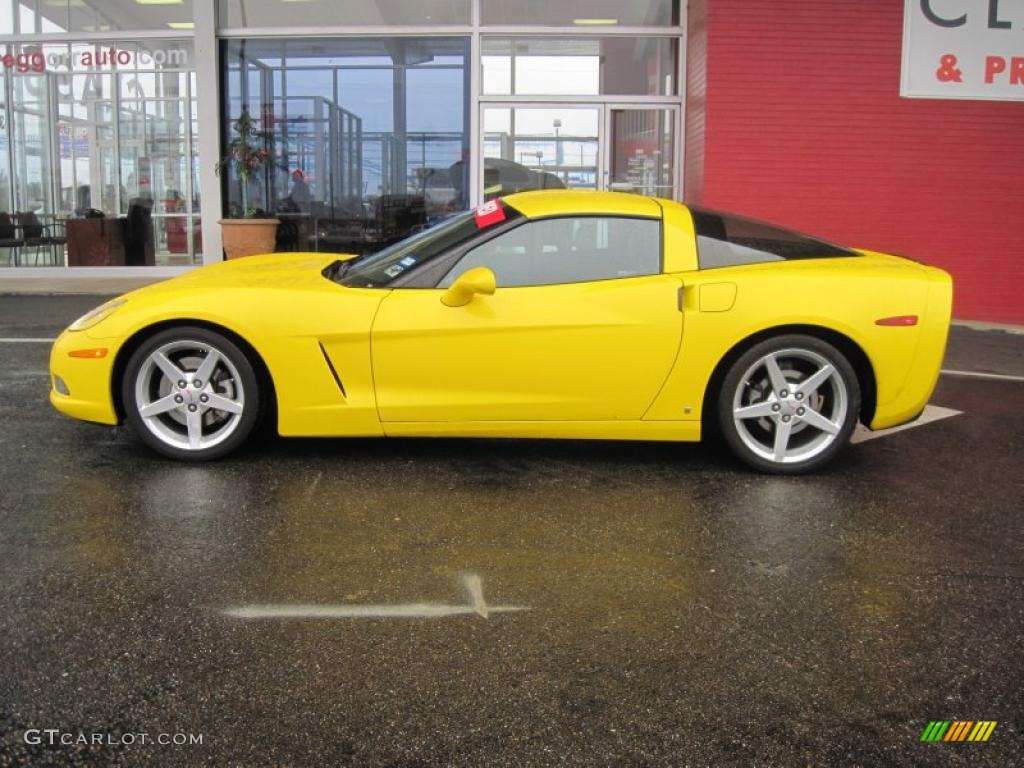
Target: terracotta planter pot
{"type": "Point", "coordinates": [248, 237]}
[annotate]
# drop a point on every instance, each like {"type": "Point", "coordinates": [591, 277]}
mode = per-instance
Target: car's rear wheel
{"type": "Point", "coordinates": [191, 393]}
{"type": "Point", "coordinates": [789, 404]}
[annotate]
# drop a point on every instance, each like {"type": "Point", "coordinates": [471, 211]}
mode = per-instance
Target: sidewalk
{"type": "Point", "coordinates": [71, 285]}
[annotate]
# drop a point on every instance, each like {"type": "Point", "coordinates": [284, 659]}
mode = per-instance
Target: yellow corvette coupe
{"type": "Point", "coordinates": [540, 315]}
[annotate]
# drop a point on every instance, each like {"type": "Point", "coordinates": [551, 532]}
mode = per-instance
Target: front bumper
{"type": "Point", "coordinates": [87, 381]}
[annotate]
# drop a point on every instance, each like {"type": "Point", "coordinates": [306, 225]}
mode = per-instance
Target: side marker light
{"type": "Point", "coordinates": [903, 320]}
{"type": "Point", "coordinates": [90, 354]}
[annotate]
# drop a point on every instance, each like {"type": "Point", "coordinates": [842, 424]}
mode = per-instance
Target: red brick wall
{"type": "Point", "coordinates": [696, 97]}
{"type": "Point", "coordinates": [804, 126]}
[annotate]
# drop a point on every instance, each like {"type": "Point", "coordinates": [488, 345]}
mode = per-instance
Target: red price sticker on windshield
{"type": "Point", "coordinates": [489, 213]}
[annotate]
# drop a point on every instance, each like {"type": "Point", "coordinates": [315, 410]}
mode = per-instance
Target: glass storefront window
{"type": "Point", "coordinates": [85, 127]}
{"type": "Point", "coordinates": [347, 13]}
{"type": "Point", "coordinates": [28, 17]}
{"type": "Point", "coordinates": [580, 66]}
{"type": "Point", "coordinates": [581, 13]}
{"type": "Point", "coordinates": [368, 135]}
{"type": "Point", "coordinates": [102, 136]}
{"type": "Point", "coordinates": [5, 171]}
{"type": "Point", "coordinates": [32, 159]}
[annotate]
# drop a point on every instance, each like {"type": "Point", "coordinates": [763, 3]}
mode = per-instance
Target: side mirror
{"type": "Point", "coordinates": [469, 284]}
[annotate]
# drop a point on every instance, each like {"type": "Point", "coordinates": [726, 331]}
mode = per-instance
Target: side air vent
{"type": "Point", "coordinates": [334, 373]}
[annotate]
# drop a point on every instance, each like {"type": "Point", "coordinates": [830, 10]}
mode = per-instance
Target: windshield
{"type": "Point", "coordinates": [385, 266]}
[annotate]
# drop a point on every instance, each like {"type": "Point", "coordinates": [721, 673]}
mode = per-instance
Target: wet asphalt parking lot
{"type": "Point", "coordinates": [509, 603]}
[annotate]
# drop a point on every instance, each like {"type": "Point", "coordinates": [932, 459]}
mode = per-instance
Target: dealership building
{"type": "Point", "coordinates": [894, 126]}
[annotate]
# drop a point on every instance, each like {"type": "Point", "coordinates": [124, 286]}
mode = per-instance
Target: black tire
{"type": "Point", "coordinates": [191, 409]}
{"type": "Point", "coordinates": [802, 427]}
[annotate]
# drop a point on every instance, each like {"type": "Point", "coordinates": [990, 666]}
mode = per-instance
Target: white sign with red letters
{"type": "Point", "coordinates": [963, 49]}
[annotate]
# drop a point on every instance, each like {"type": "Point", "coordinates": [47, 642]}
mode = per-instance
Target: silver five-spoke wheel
{"type": "Point", "coordinates": [788, 407]}
{"type": "Point", "coordinates": [191, 394]}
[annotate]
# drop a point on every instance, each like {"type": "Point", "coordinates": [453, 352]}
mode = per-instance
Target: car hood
{"type": "Point", "coordinates": [276, 269]}
{"type": "Point", "coordinates": [245, 282]}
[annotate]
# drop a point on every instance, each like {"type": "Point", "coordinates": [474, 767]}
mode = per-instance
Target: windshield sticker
{"type": "Point", "coordinates": [394, 270]}
{"type": "Point", "coordinates": [489, 213]}
{"type": "Point", "coordinates": [408, 261]}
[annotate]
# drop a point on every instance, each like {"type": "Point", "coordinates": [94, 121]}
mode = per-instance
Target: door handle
{"type": "Point", "coordinates": [679, 299]}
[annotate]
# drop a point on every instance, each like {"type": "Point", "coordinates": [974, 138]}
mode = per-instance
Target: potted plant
{"type": "Point", "coordinates": [253, 232]}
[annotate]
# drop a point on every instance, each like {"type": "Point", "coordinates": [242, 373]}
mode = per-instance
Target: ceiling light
{"type": "Point", "coordinates": [159, 2]}
{"type": "Point", "coordinates": [595, 22]}
{"type": "Point", "coordinates": [181, 24]}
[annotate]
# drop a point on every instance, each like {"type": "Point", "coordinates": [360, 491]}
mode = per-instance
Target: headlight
{"type": "Point", "coordinates": [91, 318]}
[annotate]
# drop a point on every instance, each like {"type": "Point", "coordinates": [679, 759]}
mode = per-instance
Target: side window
{"type": "Point", "coordinates": [567, 250]}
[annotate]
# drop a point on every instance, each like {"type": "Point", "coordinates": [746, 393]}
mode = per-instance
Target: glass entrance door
{"type": "Point", "coordinates": [641, 154]}
{"type": "Point", "coordinates": [629, 148]}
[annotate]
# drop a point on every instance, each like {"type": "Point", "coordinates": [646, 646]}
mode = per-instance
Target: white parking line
{"type": "Point", "coordinates": [402, 611]}
{"type": "Point", "coordinates": [931, 413]}
{"type": "Point", "coordinates": [26, 341]}
{"type": "Point", "coordinates": [471, 581]}
{"type": "Point", "coordinates": [980, 375]}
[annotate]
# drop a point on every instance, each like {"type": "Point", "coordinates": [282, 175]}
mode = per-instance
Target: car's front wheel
{"type": "Point", "coordinates": [191, 393]}
{"type": "Point", "coordinates": [789, 404]}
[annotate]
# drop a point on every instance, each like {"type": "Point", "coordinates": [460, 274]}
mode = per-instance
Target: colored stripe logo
{"type": "Point", "coordinates": [958, 730]}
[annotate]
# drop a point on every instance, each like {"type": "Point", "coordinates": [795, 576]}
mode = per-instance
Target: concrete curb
{"type": "Point", "coordinates": [978, 325]}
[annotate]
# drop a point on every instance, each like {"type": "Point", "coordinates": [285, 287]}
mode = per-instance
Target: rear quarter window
{"type": "Point", "coordinates": [724, 240]}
